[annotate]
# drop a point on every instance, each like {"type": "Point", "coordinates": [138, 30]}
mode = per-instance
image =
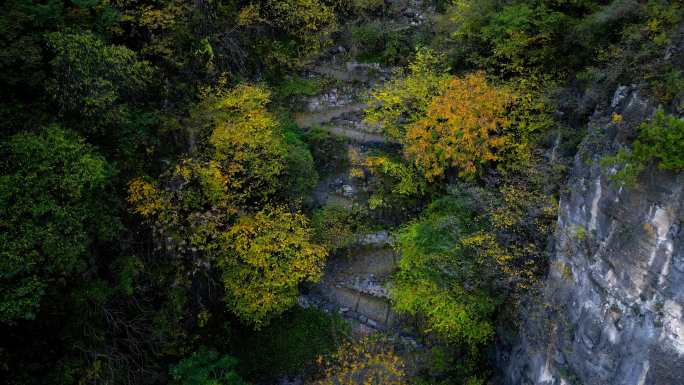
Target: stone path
{"type": "Point", "coordinates": [339, 109]}
{"type": "Point", "coordinates": [354, 284]}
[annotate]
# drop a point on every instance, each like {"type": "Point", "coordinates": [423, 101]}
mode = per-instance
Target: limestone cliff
{"type": "Point", "coordinates": [611, 312]}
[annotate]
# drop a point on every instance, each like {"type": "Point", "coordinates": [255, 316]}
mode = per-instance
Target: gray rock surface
{"type": "Point", "coordinates": [611, 311]}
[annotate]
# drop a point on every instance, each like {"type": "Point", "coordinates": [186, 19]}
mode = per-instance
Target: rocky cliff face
{"type": "Point", "coordinates": [612, 309]}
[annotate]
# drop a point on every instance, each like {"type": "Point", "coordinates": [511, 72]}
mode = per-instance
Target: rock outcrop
{"type": "Point", "coordinates": [612, 308]}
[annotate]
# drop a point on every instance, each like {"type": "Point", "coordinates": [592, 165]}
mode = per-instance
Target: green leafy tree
{"type": "Point", "coordinates": [298, 29]}
{"type": "Point", "coordinates": [446, 273]}
{"type": "Point", "coordinates": [524, 37]}
{"type": "Point", "coordinates": [24, 26]}
{"type": "Point", "coordinates": [518, 38]}
{"type": "Point", "coordinates": [93, 79]}
{"type": "Point", "coordinates": [102, 91]}
{"type": "Point", "coordinates": [54, 207]}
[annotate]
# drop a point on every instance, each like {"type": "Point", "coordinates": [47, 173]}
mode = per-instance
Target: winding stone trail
{"type": "Point", "coordinates": [354, 284]}
{"type": "Point", "coordinates": [339, 110]}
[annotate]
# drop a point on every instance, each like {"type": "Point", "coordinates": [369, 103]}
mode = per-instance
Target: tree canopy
{"type": "Point", "coordinates": [264, 257]}
{"type": "Point", "coordinates": [464, 128]}
{"type": "Point", "coordinates": [54, 206]}
{"type": "Point", "coordinates": [215, 206]}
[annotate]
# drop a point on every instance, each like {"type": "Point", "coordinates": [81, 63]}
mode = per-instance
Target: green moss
{"type": "Point", "coordinates": [579, 232]}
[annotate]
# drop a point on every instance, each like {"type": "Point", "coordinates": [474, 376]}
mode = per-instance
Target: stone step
{"type": "Point", "coordinates": [310, 119]}
{"type": "Point", "coordinates": [332, 98]}
{"type": "Point", "coordinates": [368, 285]}
{"type": "Point", "coordinates": [340, 190]}
{"type": "Point", "coordinates": [373, 311]}
{"type": "Point", "coordinates": [381, 238]}
{"type": "Point", "coordinates": [366, 263]}
{"type": "Point", "coordinates": [356, 135]}
{"type": "Point", "coordinates": [354, 72]}
{"type": "Point", "coordinates": [354, 122]}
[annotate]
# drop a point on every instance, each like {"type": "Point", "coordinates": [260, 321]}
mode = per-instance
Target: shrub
{"type": "Point", "coordinates": [367, 38]}
{"type": "Point", "coordinates": [659, 141]}
{"type": "Point", "coordinates": [300, 175]}
{"type": "Point", "coordinates": [405, 179]}
{"type": "Point", "coordinates": [302, 28]}
{"type": "Point", "coordinates": [371, 360]}
{"type": "Point", "coordinates": [380, 42]}
{"type": "Point", "coordinates": [336, 226]}
{"type": "Point", "coordinates": [297, 86]}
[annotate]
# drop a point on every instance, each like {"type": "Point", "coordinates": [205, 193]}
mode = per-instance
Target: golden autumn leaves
{"type": "Point", "coordinates": [220, 207]}
{"type": "Point", "coordinates": [369, 361]}
{"type": "Point", "coordinates": [462, 128]}
{"type": "Point", "coordinates": [265, 257]}
{"type": "Point", "coordinates": [445, 123]}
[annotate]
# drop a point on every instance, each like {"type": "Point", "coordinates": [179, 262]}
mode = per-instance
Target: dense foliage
{"type": "Point", "coordinates": [462, 128]}
{"type": "Point", "coordinates": [157, 201]}
{"type": "Point", "coordinates": [206, 367]}
{"type": "Point", "coordinates": [54, 196]}
{"type": "Point", "coordinates": [264, 259]}
{"type": "Point", "coordinates": [445, 273]}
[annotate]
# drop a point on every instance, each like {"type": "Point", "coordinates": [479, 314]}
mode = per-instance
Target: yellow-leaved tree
{"type": "Point", "coordinates": [247, 143]}
{"type": "Point", "coordinates": [264, 257]}
{"type": "Point", "coordinates": [404, 99]}
{"type": "Point", "coordinates": [216, 208]}
{"type": "Point", "coordinates": [463, 128]}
